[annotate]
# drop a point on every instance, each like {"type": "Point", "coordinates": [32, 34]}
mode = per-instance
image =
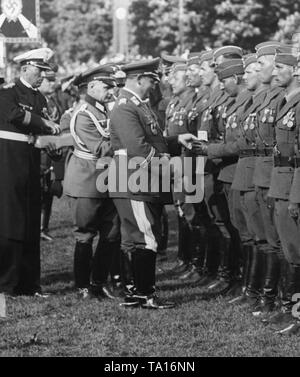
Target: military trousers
{"type": "Point", "coordinates": [140, 224]}
{"type": "Point", "coordinates": [20, 266]}
{"type": "Point", "coordinates": [237, 216]}
{"type": "Point", "coordinates": [289, 231]}
{"type": "Point", "coordinates": [252, 214]}
{"type": "Point", "coordinates": [93, 215]}
{"type": "Point", "coordinates": [267, 215]}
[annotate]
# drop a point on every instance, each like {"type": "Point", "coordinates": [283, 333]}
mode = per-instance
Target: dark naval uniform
{"type": "Point", "coordinates": [136, 140]}
{"type": "Point", "coordinates": [21, 109]}
{"type": "Point", "coordinates": [94, 211]}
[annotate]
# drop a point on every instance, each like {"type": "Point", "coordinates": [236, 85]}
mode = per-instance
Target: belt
{"type": "Point", "coordinates": [30, 139]}
{"type": "Point", "coordinates": [285, 161]}
{"type": "Point", "coordinates": [85, 155]}
{"type": "Point", "coordinates": [120, 152]}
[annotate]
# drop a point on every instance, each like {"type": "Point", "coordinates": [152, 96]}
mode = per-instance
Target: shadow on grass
{"type": "Point", "coordinates": [64, 276]}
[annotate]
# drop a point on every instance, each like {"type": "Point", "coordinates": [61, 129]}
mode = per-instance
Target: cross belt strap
{"type": "Point", "coordinates": [85, 155]}
{"type": "Point", "coordinates": [30, 139]}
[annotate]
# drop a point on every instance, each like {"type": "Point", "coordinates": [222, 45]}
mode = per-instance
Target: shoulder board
{"type": "Point", "coordinates": [9, 86]}
{"type": "Point", "coordinates": [135, 100]}
{"type": "Point", "coordinates": [122, 101]}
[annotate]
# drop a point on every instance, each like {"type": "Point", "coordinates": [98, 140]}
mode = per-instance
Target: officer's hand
{"type": "Point", "coordinates": [200, 147]}
{"type": "Point", "coordinates": [294, 210]}
{"type": "Point", "coordinates": [56, 189]}
{"type": "Point", "coordinates": [53, 128]}
{"type": "Point", "coordinates": [186, 140]}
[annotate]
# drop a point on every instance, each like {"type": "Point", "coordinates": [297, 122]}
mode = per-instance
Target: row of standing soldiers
{"type": "Point", "coordinates": [245, 109]}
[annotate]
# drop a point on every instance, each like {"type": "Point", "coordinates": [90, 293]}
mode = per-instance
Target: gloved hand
{"type": "Point", "coordinates": [200, 147]}
{"type": "Point", "coordinates": [56, 189]}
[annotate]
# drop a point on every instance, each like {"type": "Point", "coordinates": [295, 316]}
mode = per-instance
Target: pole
{"type": "Point", "coordinates": [2, 56]}
{"type": "Point", "coordinates": [181, 26]}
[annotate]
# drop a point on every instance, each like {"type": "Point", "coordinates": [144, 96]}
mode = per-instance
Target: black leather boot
{"type": "Point", "coordinates": [226, 280]}
{"type": "Point", "coordinates": [270, 284]}
{"type": "Point", "coordinates": [126, 268]}
{"type": "Point", "coordinates": [247, 260]}
{"type": "Point", "coordinates": [292, 280]}
{"type": "Point", "coordinates": [256, 269]}
{"type": "Point", "coordinates": [198, 245]}
{"type": "Point", "coordinates": [82, 264]}
{"type": "Point", "coordinates": [101, 266]}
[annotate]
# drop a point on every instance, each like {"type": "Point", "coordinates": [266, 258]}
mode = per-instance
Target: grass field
{"type": "Point", "coordinates": [65, 326]}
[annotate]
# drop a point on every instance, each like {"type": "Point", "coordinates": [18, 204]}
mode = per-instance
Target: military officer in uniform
{"type": "Point", "coordinates": [21, 114]}
{"type": "Point", "coordinates": [136, 140]}
{"type": "Point", "coordinates": [286, 157]}
{"type": "Point", "coordinates": [230, 73]}
{"type": "Point", "coordinates": [51, 175]}
{"type": "Point", "coordinates": [93, 211]}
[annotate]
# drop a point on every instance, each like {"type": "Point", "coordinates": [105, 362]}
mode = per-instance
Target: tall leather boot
{"type": "Point", "coordinates": [183, 258]}
{"type": "Point", "coordinates": [256, 270]}
{"type": "Point", "coordinates": [126, 269]}
{"type": "Point", "coordinates": [226, 274]}
{"type": "Point", "coordinates": [145, 281]}
{"type": "Point", "coordinates": [292, 280]}
{"type": "Point", "coordinates": [82, 264]}
{"type": "Point", "coordinates": [270, 284]}
{"type": "Point", "coordinates": [247, 261]}
{"type": "Point", "coordinates": [198, 244]}
{"type": "Point", "coordinates": [102, 262]}
{"type": "Point", "coordinates": [212, 258]}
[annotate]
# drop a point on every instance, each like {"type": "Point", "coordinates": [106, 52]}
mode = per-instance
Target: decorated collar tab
{"type": "Point", "coordinates": [92, 101]}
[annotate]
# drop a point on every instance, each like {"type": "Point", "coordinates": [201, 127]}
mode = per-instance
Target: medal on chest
{"type": "Point", "coordinates": [289, 118]}
{"type": "Point", "coordinates": [233, 121]}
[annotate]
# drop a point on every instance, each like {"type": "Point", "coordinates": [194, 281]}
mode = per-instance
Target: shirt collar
{"type": "Point", "coordinates": [292, 94]}
{"type": "Point", "coordinates": [136, 95]}
{"type": "Point", "coordinates": [25, 83]}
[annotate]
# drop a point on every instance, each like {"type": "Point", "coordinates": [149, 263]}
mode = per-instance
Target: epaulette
{"type": "Point", "coordinates": [135, 100]}
{"type": "Point", "coordinates": [122, 101]}
{"type": "Point", "coordinates": [9, 86]}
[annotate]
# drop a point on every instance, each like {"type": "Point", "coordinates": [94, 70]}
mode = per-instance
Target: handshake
{"type": "Point", "coordinates": [51, 127]}
{"type": "Point", "coordinates": [191, 142]}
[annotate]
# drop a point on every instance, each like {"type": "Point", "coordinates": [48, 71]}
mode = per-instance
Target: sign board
{"type": "Point", "coordinates": [20, 20]}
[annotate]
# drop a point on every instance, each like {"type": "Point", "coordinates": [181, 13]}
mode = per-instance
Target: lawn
{"type": "Point", "coordinates": [64, 326]}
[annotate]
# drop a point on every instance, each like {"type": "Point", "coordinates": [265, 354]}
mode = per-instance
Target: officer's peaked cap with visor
{"type": "Point", "coordinates": [37, 58]}
{"type": "Point", "coordinates": [148, 68]}
{"type": "Point", "coordinates": [104, 73]}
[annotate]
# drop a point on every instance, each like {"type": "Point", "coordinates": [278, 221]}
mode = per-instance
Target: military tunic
{"type": "Point", "coordinates": [136, 136]}
{"type": "Point", "coordinates": [21, 109]}
{"type": "Point", "coordinates": [285, 154]}
{"type": "Point", "coordinates": [93, 210]}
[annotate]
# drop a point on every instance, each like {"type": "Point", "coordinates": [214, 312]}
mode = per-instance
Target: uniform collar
{"type": "Point", "coordinates": [25, 83]}
{"type": "Point", "coordinates": [92, 101]}
{"type": "Point", "coordinates": [292, 94]}
{"type": "Point", "coordinates": [136, 95]}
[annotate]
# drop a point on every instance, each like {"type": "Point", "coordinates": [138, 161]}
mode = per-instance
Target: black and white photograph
{"type": "Point", "coordinates": [149, 181]}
